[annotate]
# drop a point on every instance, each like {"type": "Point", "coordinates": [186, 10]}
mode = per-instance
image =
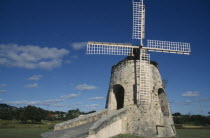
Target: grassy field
{"type": "Point", "coordinates": [126, 136]}
{"type": "Point", "coordinates": [17, 124]}
{"type": "Point", "coordinates": [181, 133]}
{"type": "Point", "coordinates": [193, 133]}
{"type": "Point", "coordinates": [14, 129]}
{"type": "Point", "coordinates": [35, 133]}
{"type": "Point", "coordinates": [22, 132]}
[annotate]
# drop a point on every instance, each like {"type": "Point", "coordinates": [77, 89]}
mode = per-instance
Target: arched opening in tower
{"type": "Point", "coordinates": [119, 95]}
{"type": "Point", "coordinates": [163, 102]}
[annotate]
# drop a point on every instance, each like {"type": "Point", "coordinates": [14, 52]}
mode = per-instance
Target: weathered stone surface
{"type": "Point", "coordinates": [110, 125]}
{"type": "Point", "coordinates": [81, 120]}
{"type": "Point", "coordinates": [75, 132]}
{"type": "Point", "coordinates": [123, 114]}
{"type": "Point", "coordinates": [154, 120]}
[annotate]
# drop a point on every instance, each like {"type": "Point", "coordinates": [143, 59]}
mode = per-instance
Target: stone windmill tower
{"type": "Point", "coordinates": [136, 82]}
{"type": "Point", "coordinates": [136, 100]}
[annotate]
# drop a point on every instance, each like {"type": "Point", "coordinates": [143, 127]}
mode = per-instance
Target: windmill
{"type": "Point", "coordinates": [139, 52]}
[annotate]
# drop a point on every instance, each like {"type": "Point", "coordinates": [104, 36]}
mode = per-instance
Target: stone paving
{"type": "Point", "coordinates": [75, 132]}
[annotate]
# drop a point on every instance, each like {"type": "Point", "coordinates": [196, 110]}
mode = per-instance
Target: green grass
{"type": "Point", "coordinates": [22, 132]}
{"type": "Point", "coordinates": [36, 133]}
{"type": "Point", "coordinates": [181, 133]}
{"type": "Point", "coordinates": [14, 129]}
{"type": "Point", "coordinates": [193, 133]}
{"type": "Point", "coordinates": [126, 136]}
{"type": "Point", "coordinates": [17, 124]}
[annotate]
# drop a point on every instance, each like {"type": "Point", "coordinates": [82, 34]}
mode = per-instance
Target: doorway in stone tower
{"type": "Point", "coordinates": [119, 95]}
{"type": "Point", "coordinates": [163, 102]}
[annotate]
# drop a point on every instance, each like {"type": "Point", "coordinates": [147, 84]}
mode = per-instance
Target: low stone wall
{"type": "Point", "coordinates": [81, 120]}
{"type": "Point", "coordinates": [110, 125]}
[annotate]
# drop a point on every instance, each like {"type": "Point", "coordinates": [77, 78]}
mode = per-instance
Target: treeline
{"type": "Point", "coordinates": [197, 120]}
{"type": "Point", "coordinates": [32, 114]}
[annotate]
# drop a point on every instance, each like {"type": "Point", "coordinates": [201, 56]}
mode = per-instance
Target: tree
{"type": "Point", "coordinates": [32, 113]}
{"type": "Point", "coordinates": [6, 114]}
{"type": "Point", "coordinates": [199, 120]}
{"type": "Point", "coordinates": [73, 113]}
{"type": "Point", "coordinates": [22, 116]}
{"type": "Point", "coordinates": [177, 114]}
{"type": "Point", "coordinates": [177, 120]}
{"type": "Point", "coordinates": [208, 120]}
{"type": "Point", "coordinates": [44, 113]}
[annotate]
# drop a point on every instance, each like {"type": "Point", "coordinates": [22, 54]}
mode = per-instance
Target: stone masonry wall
{"type": "Point", "coordinates": [81, 120]}
{"type": "Point", "coordinates": [123, 74]}
{"type": "Point", "coordinates": [110, 125]}
{"type": "Point", "coordinates": [154, 120]}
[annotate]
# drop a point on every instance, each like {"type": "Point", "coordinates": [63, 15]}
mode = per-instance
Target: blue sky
{"type": "Point", "coordinates": [43, 60]}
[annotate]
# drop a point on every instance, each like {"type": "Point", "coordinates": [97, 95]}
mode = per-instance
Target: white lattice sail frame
{"type": "Point", "coordinates": [138, 20]}
{"type": "Point", "coordinates": [110, 48]}
{"type": "Point", "coordinates": [168, 47]}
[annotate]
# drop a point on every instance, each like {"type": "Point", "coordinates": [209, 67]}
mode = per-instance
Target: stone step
{"type": "Point", "coordinates": [75, 132]}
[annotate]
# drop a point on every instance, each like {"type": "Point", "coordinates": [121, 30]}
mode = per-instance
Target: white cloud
{"type": "Point", "coordinates": [191, 94]}
{"type": "Point", "coordinates": [188, 102]}
{"type": "Point", "coordinates": [48, 102]}
{"type": "Point", "coordinates": [78, 45]}
{"type": "Point", "coordinates": [31, 57]}
{"type": "Point", "coordinates": [35, 77]}
{"type": "Point", "coordinates": [3, 91]}
{"type": "Point", "coordinates": [1, 99]}
{"type": "Point", "coordinates": [60, 105]}
{"type": "Point", "coordinates": [93, 105]}
{"type": "Point", "coordinates": [3, 85]}
{"type": "Point", "coordinates": [96, 98]}
{"type": "Point", "coordinates": [25, 102]}
{"type": "Point", "coordinates": [74, 57]}
{"type": "Point", "coordinates": [204, 99]}
{"type": "Point", "coordinates": [33, 85]}
{"type": "Point", "coordinates": [68, 61]}
{"type": "Point", "coordinates": [51, 102]}
{"type": "Point", "coordinates": [69, 96]}
{"type": "Point", "coordinates": [85, 87]}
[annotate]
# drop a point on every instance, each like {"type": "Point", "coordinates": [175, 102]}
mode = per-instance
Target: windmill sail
{"type": "Point", "coordinates": [168, 47]}
{"type": "Point", "coordinates": [138, 20]}
{"type": "Point", "coordinates": [110, 48]}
